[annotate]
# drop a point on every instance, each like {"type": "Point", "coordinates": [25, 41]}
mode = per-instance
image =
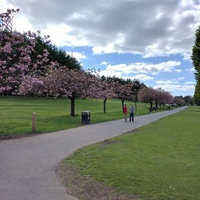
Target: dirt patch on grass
{"type": "Point", "coordinates": [108, 141]}
{"type": "Point", "coordinates": [85, 188]}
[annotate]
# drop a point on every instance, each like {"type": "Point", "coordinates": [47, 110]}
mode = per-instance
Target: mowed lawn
{"type": "Point", "coordinates": [160, 161]}
{"type": "Point", "coordinates": [54, 114]}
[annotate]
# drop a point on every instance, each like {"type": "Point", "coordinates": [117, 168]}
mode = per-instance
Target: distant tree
{"type": "Point", "coordinates": [197, 92]}
{"type": "Point", "coordinates": [136, 86]}
{"type": "Point", "coordinates": [163, 97]}
{"type": "Point", "coordinates": [159, 96]}
{"type": "Point", "coordinates": [188, 100]}
{"type": "Point", "coordinates": [106, 90]}
{"type": "Point", "coordinates": [123, 92]}
{"type": "Point", "coordinates": [196, 62]}
{"type": "Point", "coordinates": [147, 95]}
{"type": "Point", "coordinates": [125, 89]}
{"type": "Point", "coordinates": [178, 100]}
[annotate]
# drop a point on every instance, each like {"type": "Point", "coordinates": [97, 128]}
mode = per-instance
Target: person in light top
{"type": "Point", "coordinates": [132, 109]}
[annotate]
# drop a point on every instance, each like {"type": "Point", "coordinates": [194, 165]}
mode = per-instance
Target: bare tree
{"type": "Point", "coordinates": [7, 19]}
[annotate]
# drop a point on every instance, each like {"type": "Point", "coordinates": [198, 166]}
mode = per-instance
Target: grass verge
{"type": "Point", "coordinates": [159, 161]}
{"type": "Point", "coordinates": [54, 114]}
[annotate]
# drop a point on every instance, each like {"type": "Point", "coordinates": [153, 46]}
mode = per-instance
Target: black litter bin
{"type": "Point", "coordinates": [85, 117]}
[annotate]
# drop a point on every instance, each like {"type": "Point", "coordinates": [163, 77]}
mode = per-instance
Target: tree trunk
{"type": "Point", "coordinates": [104, 105]}
{"type": "Point", "coordinates": [151, 103]}
{"type": "Point", "coordinates": [135, 104]}
{"type": "Point", "coordinates": [136, 99]}
{"type": "Point", "coordinates": [72, 98]}
{"type": "Point", "coordinates": [122, 105]}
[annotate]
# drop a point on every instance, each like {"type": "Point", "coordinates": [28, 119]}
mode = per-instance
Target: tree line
{"type": "Point", "coordinates": [196, 62]}
{"type": "Point", "coordinates": [31, 66]}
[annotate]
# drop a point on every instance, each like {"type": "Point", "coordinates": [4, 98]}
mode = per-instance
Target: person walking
{"type": "Point", "coordinates": [125, 111]}
{"type": "Point", "coordinates": [131, 113]}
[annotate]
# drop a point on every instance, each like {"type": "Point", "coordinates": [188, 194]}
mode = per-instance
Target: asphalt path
{"type": "Point", "coordinates": [27, 165]}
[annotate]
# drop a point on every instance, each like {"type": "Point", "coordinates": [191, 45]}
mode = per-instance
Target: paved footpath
{"type": "Point", "coordinates": [27, 165]}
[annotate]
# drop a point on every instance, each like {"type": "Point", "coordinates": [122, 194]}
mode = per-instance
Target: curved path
{"type": "Point", "coordinates": [27, 165]}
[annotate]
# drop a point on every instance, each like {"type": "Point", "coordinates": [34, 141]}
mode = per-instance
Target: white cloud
{"type": "Point", "coordinates": [111, 73]}
{"type": "Point", "coordinates": [166, 82]}
{"type": "Point", "coordinates": [17, 25]}
{"type": "Point", "coordinates": [186, 56]}
{"type": "Point", "coordinates": [77, 55]}
{"type": "Point", "coordinates": [104, 63]}
{"type": "Point", "coordinates": [176, 88]}
{"type": "Point", "coordinates": [190, 83]}
{"type": "Point", "coordinates": [178, 70]}
{"type": "Point", "coordinates": [150, 28]}
{"type": "Point", "coordinates": [60, 35]}
{"type": "Point", "coordinates": [4, 5]}
{"type": "Point", "coordinates": [145, 68]}
{"type": "Point", "coordinates": [141, 77]}
{"type": "Point", "coordinates": [191, 70]}
{"type": "Point", "coordinates": [181, 78]}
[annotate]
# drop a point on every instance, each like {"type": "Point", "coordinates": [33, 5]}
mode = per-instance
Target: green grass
{"type": "Point", "coordinates": [159, 161]}
{"type": "Point", "coordinates": [54, 114]}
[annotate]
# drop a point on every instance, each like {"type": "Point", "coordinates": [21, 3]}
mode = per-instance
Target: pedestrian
{"type": "Point", "coordinates": [125, 111]}
{"type": "Point", "coordinates": [131, 113]}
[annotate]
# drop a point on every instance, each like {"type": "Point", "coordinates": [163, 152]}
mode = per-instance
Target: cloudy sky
{"type": "Point", "coordinates": [149, 40]}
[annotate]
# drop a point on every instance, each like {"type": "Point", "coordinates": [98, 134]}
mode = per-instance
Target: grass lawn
{"type": "Point", "coordinates": [159, 161]}
{"type": "Point", "coordinates": [54, 114]}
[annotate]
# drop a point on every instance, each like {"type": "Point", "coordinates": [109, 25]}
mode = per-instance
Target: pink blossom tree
{"type": "Point", "coordinates": [159, 96]}
{"type": "Point", "coordinates": [147, 95]}
{"type": "Point", "coordinates": [19, 69]}
{"type": "Point", "coordinates": [24, 72]}
{"type": "Point", "coordinates": [72, 84]}
{"type": "Point", "coordinates": [123, 92]}
{"type": "Point", "coordinates": [106, 92]}
{"type": "Point", "coordinates": [16, 63]}
{"type": "Point", "coordinates": [177, 100]}
{"type": "Point", "coordinates": [105, 87]}
{"type": "Point", "coordinates": [163, 97]}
